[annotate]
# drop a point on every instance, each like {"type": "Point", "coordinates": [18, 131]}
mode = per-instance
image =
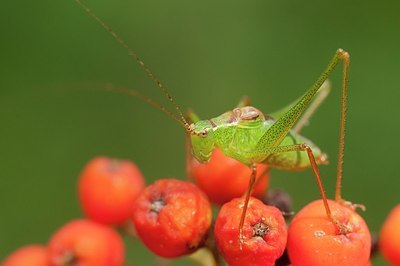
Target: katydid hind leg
{"type": "Point", "coordinates": [269, 142]}
{"type": "Point", "coordinates": [339, 171]}
{"type": "Point", "coordinates": [345, 57]}
{"type": "Point", "coordinates": [319, 98]}
{"type": "Point", "coordinates": [324, 89]}
{"type": "Point", "coordinates": [277, 132]}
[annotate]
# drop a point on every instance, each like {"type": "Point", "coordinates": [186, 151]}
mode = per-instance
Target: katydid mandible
{"type": "Point", "coordinates": [251, 137]}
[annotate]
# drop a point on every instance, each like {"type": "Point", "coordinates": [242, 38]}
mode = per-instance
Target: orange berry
{"type": "Point", "coordinates": [224, 178]}
{"type": "Point", "coordinates": [84, 242]}
{"type": "Point", "coordinates": [389, 241]}
{"type": "Point", "coordinates": [172, 217]}
{"type": "Point", "coordinates": [313, 239]}
{"type": "Point", "coordinates": [32, 255]}
{"type": "Point", "coordinates": [264, 233]}
{"type": "Point", "coordinates": [108, 188]}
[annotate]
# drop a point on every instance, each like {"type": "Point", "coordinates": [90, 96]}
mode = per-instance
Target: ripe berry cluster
{"type": "Point", "coordinates": [173, 218]}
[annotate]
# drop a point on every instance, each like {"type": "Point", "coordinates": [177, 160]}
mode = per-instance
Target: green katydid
{"type": "Point", "coordinates": [251, 137]}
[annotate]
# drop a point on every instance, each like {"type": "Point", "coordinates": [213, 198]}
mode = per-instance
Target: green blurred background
{"type": "Point", "coordinates": [209, 54]}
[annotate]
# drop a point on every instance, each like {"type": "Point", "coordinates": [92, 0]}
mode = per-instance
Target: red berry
{"type": "Point", "coordinates": [264, 233]}
{"type": "Point", "coordinates": [224, 178]}
{"type": "Point", "coordinates": [389, 241]}
{"type": "Point", "coordinates": [83, 242]}
{"type": "Point", "coordinates": [172, 217]}
{"type": "Point", "coordinates": [108, 189]}
{"type": "Point", "coordinates": [32, 255]}
{"type": "Point", "coordinates": [313, 239]}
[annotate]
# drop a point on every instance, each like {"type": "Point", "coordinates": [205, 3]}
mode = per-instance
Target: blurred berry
{"type": "Point", "coordinates": [389, 241]}
{"type": "Point", "coordinates": [108, 189]}
{"type": "Point", "coordinates": [31, 255]}
{"type": "Point", "coordinates": [83, 242]}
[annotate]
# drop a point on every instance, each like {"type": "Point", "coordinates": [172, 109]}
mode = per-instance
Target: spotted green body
{"type": "Point", "coordinates": [238, 132]}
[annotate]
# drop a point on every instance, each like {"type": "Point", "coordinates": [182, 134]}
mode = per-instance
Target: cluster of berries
{"type": "Point", "coordinates": [173, 218]}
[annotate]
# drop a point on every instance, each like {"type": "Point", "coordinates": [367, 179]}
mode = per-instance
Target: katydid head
{"type": "Point", "coordinates": [202, 139]}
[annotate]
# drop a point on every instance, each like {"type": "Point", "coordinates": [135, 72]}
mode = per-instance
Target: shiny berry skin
{"type": "Point", "coordinates": [264, 233]}
{"type": "Point", "coordinates": [32, 255]}
{"type": "Point", "coordinates": [108, 188]}
{"type": "Point", "coordinates": [172, 217]}
{"type": "Point", "coordinates": [224, 178]}
{"type": "Point", "coordinates": [84, 242]}
{"type": "Point", "coordinates": [389, 241]}
{"type": "Point", "coordinates": [313, 239]}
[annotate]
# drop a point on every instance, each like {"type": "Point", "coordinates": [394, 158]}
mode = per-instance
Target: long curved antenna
{"type": "Point", "coordinates": [135, 93]}
{"type": "Point", "coordinates": [140, 61]}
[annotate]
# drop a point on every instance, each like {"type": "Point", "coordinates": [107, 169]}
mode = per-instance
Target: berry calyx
{"type": "Point", "coordinates": [264, 233]}
{"type": "Point", "coordinates": [313, 239]}
{"type": "Point", "coordinates": [172, 217]}
{"type": "Point", "coordinates": [108, 188]}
